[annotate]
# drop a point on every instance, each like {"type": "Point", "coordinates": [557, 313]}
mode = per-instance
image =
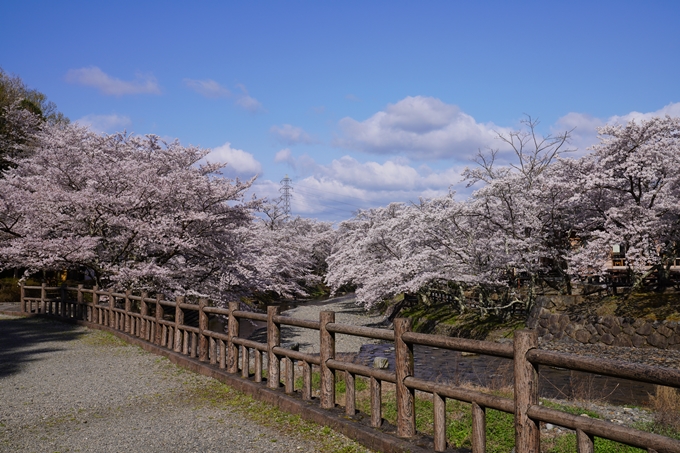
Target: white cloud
{"type": "Point", "coordinates": [247, 102]}
{"type": "Point", "coordinates": [239, 162]}
{"type": "Point", "coordinates": [105, 123]}
{"type": "Point", "coordinates": [390, 176]}
{"type": "Point", "coordinates": [353, 98]}
{"type": "Point", "coordinates": [334, 191]}
{"type": "Point", "coordinates": [285, 156]}
{"type": "Point", "coordinates": [419, 127]}
{"type": "Point", "coordinates": [208, 88]}
{"type": "Point", "coordinates": [95, 77]}
{"type": "Point", "coordinates": [213, 90]}
{"type": "Point", "coordinates": [291, 135]}
{"type": "Point", "coordinates": [584, 134]}
{"type": "Point", "coordinates": [672, 109]}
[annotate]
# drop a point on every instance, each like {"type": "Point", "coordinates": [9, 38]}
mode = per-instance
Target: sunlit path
{"type": "Point", "coordinates": [67, 388]}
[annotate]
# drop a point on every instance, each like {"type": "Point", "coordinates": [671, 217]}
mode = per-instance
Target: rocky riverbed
{"type": "Point", "coordinates": [649, 356]}
{"type": "Point", "coordinates": [348, 312]}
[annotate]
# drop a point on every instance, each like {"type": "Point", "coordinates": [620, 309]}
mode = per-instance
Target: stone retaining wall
{"type": "Point", "coordinates": [610, 330]}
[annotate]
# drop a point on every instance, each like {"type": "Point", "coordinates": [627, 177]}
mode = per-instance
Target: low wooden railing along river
{"type": "Point", "coordinates": [145, 318]}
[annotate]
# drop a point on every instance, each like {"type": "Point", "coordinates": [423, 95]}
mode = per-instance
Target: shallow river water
{"type": "Point", "coordinates": [446, 366]}
{"type": "Point", "coordinates": [441, 365]}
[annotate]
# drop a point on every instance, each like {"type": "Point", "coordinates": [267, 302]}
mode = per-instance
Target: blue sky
{"type": "Point", "coordinates": [361, 103]}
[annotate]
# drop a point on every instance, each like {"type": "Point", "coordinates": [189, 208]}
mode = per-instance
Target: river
{"type": "Point", "coordinates": [453, 367]}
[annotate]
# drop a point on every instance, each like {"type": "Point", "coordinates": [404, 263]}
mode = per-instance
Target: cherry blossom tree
{"type": "Point", "coordinates": [371, 252]}
{"type": "Point", "coordinates": [629, 196]}
{"type": "Point", "coordinates": [288, 255]}
{"type": "Point", "coordinates": [18, 125]}
{"type": "Point", "coordinates": [522, 211]}
{"type": "Point", "coordinates": [132, 211]}
{"type": "Point", "coordinates": [140, 212]}
{"type": "Point", "coordinates": [22, 110]}
{"type": "Point", "coordinates": [516, 224]}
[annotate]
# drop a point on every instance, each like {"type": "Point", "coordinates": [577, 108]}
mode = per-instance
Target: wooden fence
{"type": "Point", "coordinates": [162, 323]}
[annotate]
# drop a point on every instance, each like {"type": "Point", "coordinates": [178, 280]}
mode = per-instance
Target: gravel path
{"type": "Point", "coordinates": [67, 388]}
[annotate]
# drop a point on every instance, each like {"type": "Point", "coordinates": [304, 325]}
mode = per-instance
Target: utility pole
{"type": "Point", "coordinates": [286, 194]}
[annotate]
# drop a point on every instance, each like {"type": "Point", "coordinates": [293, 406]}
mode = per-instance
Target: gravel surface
{"type": "Point", "coordinates": [67, 388]}
{"type": "Point", "coordinates": [346, 312]}
{"type": "Point", "coordinates": [669, 358]}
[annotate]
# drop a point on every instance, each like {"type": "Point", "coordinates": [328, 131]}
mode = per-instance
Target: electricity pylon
{"type": "Point", "coordinates": [286, 194]}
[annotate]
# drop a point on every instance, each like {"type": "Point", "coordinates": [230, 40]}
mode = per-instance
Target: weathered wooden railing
{"type": "Point", "coordinates": [163, 323]}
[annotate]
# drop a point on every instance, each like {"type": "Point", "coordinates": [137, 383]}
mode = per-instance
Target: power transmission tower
{"type": "Point", "coordinates": [286, 194]}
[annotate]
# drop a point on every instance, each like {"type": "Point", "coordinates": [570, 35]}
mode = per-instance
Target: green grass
{"type": "Point", "coordinates": [499, 425]}
{"type": "Point", "coordinates": [570, 409]}
{"type": "Point", "coordinates": [567, 444]}
{"type": "Point", "coordinates": [360, 383]}
{"type": "Point", "coordinates": [102, 339]}
{"type": "Point", "coordinates": [466, 325]}
{"type": "Point", "coordinates": [220, 395]}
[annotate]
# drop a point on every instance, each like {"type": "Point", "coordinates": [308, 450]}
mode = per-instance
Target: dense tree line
{"type": "Point", "coordinates": [22, 110]}
{"type": "Point", "coordinates": [137, 212]}
{"type": "Point", "coordinates": [540, 219]}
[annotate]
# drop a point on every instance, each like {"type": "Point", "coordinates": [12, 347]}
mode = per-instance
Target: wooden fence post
{"type": "Point", "coordinates": [232, 332]}
{"type": "Point", "coordinates": [584, 442]}
{"type": "Point", "coordinates": [202, 327]}
{"type": "Point", "coordinates": [478, 428]}
{"type": "Point", "coordinates": [96, 312]}
{"type": "Point", "coordinates": [439, 403]}
{"type": "Point", "coordinates": [128, 316]}
{"type": "Point", "coordinates": [62, 302]}
{"type": "Point", "coordinates": [81, 310]}
{"type": "Point", "coordinates": [273, 340]}
{"type": "Point", "coordinates": [43, 297]}
{"type": "Point", "coordinates": [144, 312]}
{"type": "Point", "coordinates": [245, 361]}
{"type": "Point", "coordinates": [112, 314]}
{"type": "Point", "coordinates": [179, 321]}
{"type": "Point", "coordinates": [376, 402]}
{"type": "Point", "coordinates": [306, 380]}
{"type": "Point", "coordinates": [289, 381]}
{"type": "Point", "coordinates": [327, 352]}
{"type": "Point", "coordinates": [159, 317]}
{"type": "Point", "coordinates": [350, 394]}
{"type": "Point", "coordinates": [406, 419]}
{"type": "Point", "coordinates": [22, 297]}
{"type": "Point", "coordinates": [527, 433]}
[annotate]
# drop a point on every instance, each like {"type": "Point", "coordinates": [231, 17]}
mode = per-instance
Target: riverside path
{"type": "Point", "coordinates": [67, 388]}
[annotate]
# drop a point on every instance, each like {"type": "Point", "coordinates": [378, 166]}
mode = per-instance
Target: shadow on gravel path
{"type": "Point", "coordinates": [21, 339]}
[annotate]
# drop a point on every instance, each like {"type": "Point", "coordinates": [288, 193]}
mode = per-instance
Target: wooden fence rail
{"type": "Point", "coordinates": [168, 324]}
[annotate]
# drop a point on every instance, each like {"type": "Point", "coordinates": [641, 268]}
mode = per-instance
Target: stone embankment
{"type": "Point", "coordinates": [609, 330]}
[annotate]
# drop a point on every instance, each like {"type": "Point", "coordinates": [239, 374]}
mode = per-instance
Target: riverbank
{"type": "Point", "coordinates": [346, 312]}
{"type": "Point", "coordinates": [588, 398]}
